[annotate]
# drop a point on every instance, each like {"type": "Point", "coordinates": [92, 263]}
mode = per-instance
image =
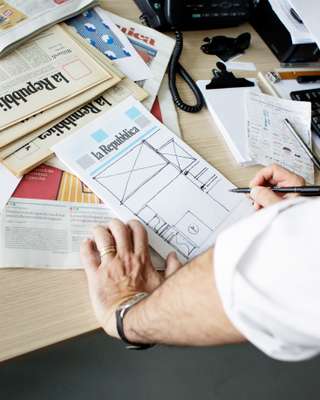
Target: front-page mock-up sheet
{"type": "Point", "coordinates": [142, 170]}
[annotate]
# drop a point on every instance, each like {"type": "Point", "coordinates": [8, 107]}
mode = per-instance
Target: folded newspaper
{"type": "Point", "coordinates": [19, 20]}
{"type": "Point", "coordinates": [50, 69]}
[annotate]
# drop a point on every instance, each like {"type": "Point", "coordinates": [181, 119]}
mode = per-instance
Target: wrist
{"type": "Point", "coordinates": [132, 324]}
{"type": "Point", "coordinates": [124, 324]}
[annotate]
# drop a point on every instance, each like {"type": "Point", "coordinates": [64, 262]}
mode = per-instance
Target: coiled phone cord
{"type": "Point", "coordinates": [176, 68]}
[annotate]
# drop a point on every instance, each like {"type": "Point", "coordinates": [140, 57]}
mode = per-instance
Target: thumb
{"type": "Point", "coordinates": [89, 258]}
{"type": "Point", "coordinates": [264, 196]}
{"type": "Point", "coordinates": [172, 264]}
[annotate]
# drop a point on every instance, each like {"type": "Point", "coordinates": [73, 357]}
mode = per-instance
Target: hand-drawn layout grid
{"type": "Point", "coordinates": [170, 191]}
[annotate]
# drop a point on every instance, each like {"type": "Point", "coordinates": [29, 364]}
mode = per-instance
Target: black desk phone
{"type": "Point", "coordinates": [165, 15]}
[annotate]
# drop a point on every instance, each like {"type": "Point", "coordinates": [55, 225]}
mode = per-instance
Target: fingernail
{"type": "Point", "coordinates": [254, 192]}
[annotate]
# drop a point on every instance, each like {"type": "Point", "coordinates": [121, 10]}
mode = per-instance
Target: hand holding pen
{"type": "Point", "coordinates": [273, 176]}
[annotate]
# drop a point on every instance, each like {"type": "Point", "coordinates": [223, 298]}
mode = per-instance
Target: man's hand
{"type": "Point", "coordinates": [118, 276]}
{"type": "Point", "coordinates": [274, 175]}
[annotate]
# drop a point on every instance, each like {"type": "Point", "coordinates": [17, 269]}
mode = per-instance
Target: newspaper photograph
{"type": "Point", "coordinates": [50, 69]}
{"type": "Point", "coordinates": [20, 19]}
{"type": "Point", "coordinates": [49, 183]}
{"type": "Point", "coordinates": [100, 31]}
{"type": "Point", "coordinates": [155, 49]}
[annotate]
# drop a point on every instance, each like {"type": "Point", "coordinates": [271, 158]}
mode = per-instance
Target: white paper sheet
{"type": "Point", "coordinates": [269, 139]}
{"type": "Point", "coordinates": [240, 66]}
{"type": "Point", "coordinates": [142, 170]}
{"type": "Point", "coordinates": [8, 184]}
{"type": "Point", "coordinates": [221, 104]}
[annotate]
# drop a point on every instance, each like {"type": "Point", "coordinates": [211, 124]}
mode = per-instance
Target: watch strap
{"type": "Point", "coordinates": [121, 313]}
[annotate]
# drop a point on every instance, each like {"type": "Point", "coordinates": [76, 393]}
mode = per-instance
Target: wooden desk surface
{"type": "Point", "coordinates": [37, 307]}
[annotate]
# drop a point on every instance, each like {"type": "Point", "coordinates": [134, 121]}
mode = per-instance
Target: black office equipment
{"type": "Point", "coordinates": [267, 24]}
{"type": "Point", "coordinates": [167, 15]}
{"type": "Point", "coordinates": [223, 79]}
{"type": "Point", "coordinates": [308, 79]}
{"type": "Point", "coordinates": [226, 47]}
{"type": "Point", "coordinates": [313, 96]}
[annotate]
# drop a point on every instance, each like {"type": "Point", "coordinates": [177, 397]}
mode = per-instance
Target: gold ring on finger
{"type": "Point", "coordinates": [107, 250]}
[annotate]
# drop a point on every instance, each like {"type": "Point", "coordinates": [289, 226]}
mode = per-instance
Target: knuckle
{"type": "Point", "coordinates": [115, 222]}
{"type": "Point", "coordinates": [135, 224]}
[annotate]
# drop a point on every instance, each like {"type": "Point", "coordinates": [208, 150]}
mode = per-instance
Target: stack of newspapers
{"type": "Point", "coordinates": [64, 77]}
{"type": "Point", "coordinates": [55, 79]}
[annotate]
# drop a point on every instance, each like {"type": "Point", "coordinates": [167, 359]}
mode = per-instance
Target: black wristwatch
{"type": "Point", "coordinates": [121, 313]}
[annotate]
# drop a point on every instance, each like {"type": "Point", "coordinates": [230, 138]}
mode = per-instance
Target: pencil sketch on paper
{"type": "Point", "coordinates": [164, 185]}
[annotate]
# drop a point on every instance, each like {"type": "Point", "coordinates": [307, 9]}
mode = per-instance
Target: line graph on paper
{"type": "Point", "coordinates": [176, 194]}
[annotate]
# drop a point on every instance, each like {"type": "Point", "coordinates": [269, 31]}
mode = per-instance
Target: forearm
{"type": "Point", "coordinates": [185, 310]}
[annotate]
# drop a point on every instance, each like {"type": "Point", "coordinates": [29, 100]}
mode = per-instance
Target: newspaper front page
{"type": "Point", "coordinates": [154, 47]}
{"type": "Point", "coordinates": [20, 19]}
{"type": "Point", "coordinates": [25, 154]}
{"type": "Point", "coordinates": [48, 70]}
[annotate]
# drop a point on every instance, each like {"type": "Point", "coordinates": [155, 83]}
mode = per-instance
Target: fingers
{"type": "Point", "coordinates": [263, 176]}
{"type": "Point", "coordinates": [276, 175]}
{"type": "Point", "coordinates": [172, 264]}
{"type": "Point", "coordinates": [139, 239]}
{"type": "Point", "coordinates": [89, 257]}
{"type": "Point", "coordinates": [104, 240]}
{"type": "Point", "coordinates": [122, 237]}
{"type": "Point", "coordinates": [264, 196]}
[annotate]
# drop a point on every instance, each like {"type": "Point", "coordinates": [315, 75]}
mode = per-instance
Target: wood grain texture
{"type": "Point", "coordinates": [38, 307]}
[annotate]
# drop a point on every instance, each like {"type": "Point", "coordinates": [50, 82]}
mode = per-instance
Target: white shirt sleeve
{"type": "Point", "coordinates": [267, 271]}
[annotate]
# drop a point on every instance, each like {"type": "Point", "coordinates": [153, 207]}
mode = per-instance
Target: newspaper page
{"type": "Point", "coordinates": [49, 215]}
{"type": "Point", "coordinates": [48, 70]}
{"type": "Point", "coordinates": [45, 233]}
{"type": "Point", "coordinates": [100, 31]}
{"type": "Point", "coordinates": [142, 170]}
{"type": "Point", "coordinates": [155, 49]}
{"type": "Point", "coordinates": [25, 154]}
{"type": "Point", "coordinates": [20, 19]}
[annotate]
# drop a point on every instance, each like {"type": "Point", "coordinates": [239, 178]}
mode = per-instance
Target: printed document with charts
{"type": "Point", "coordinates": [142, 170]}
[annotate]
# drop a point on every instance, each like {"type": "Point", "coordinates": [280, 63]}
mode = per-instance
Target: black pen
{"type": "Point", "coordinates": [302, 190]}
{"type": "Point", "coordinates": [308, 79]}
{"type": "Point", "coordinates": [302, 143]}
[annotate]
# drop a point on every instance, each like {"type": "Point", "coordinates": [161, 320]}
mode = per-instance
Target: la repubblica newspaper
{"type": "Point", "coordinates": [47, 71]}
{"type": "Point", "coordinates": [19, 20]}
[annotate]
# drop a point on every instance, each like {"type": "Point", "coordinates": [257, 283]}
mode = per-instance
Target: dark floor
{"type": "Point", "coordinates": [96, 367]}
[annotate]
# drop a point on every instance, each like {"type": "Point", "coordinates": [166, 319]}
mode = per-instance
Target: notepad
{"type": "Point", "coordinates": [269, 140]}
{"type": "Point", "coordinates": [227, 107]}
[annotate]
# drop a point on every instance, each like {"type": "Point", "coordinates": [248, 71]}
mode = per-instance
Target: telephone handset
{"type": "Point", "coordinates": [165, 15]}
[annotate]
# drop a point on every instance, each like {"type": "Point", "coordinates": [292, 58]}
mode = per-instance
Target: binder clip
{"type": "Point", "coordinates": [223, 79]}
